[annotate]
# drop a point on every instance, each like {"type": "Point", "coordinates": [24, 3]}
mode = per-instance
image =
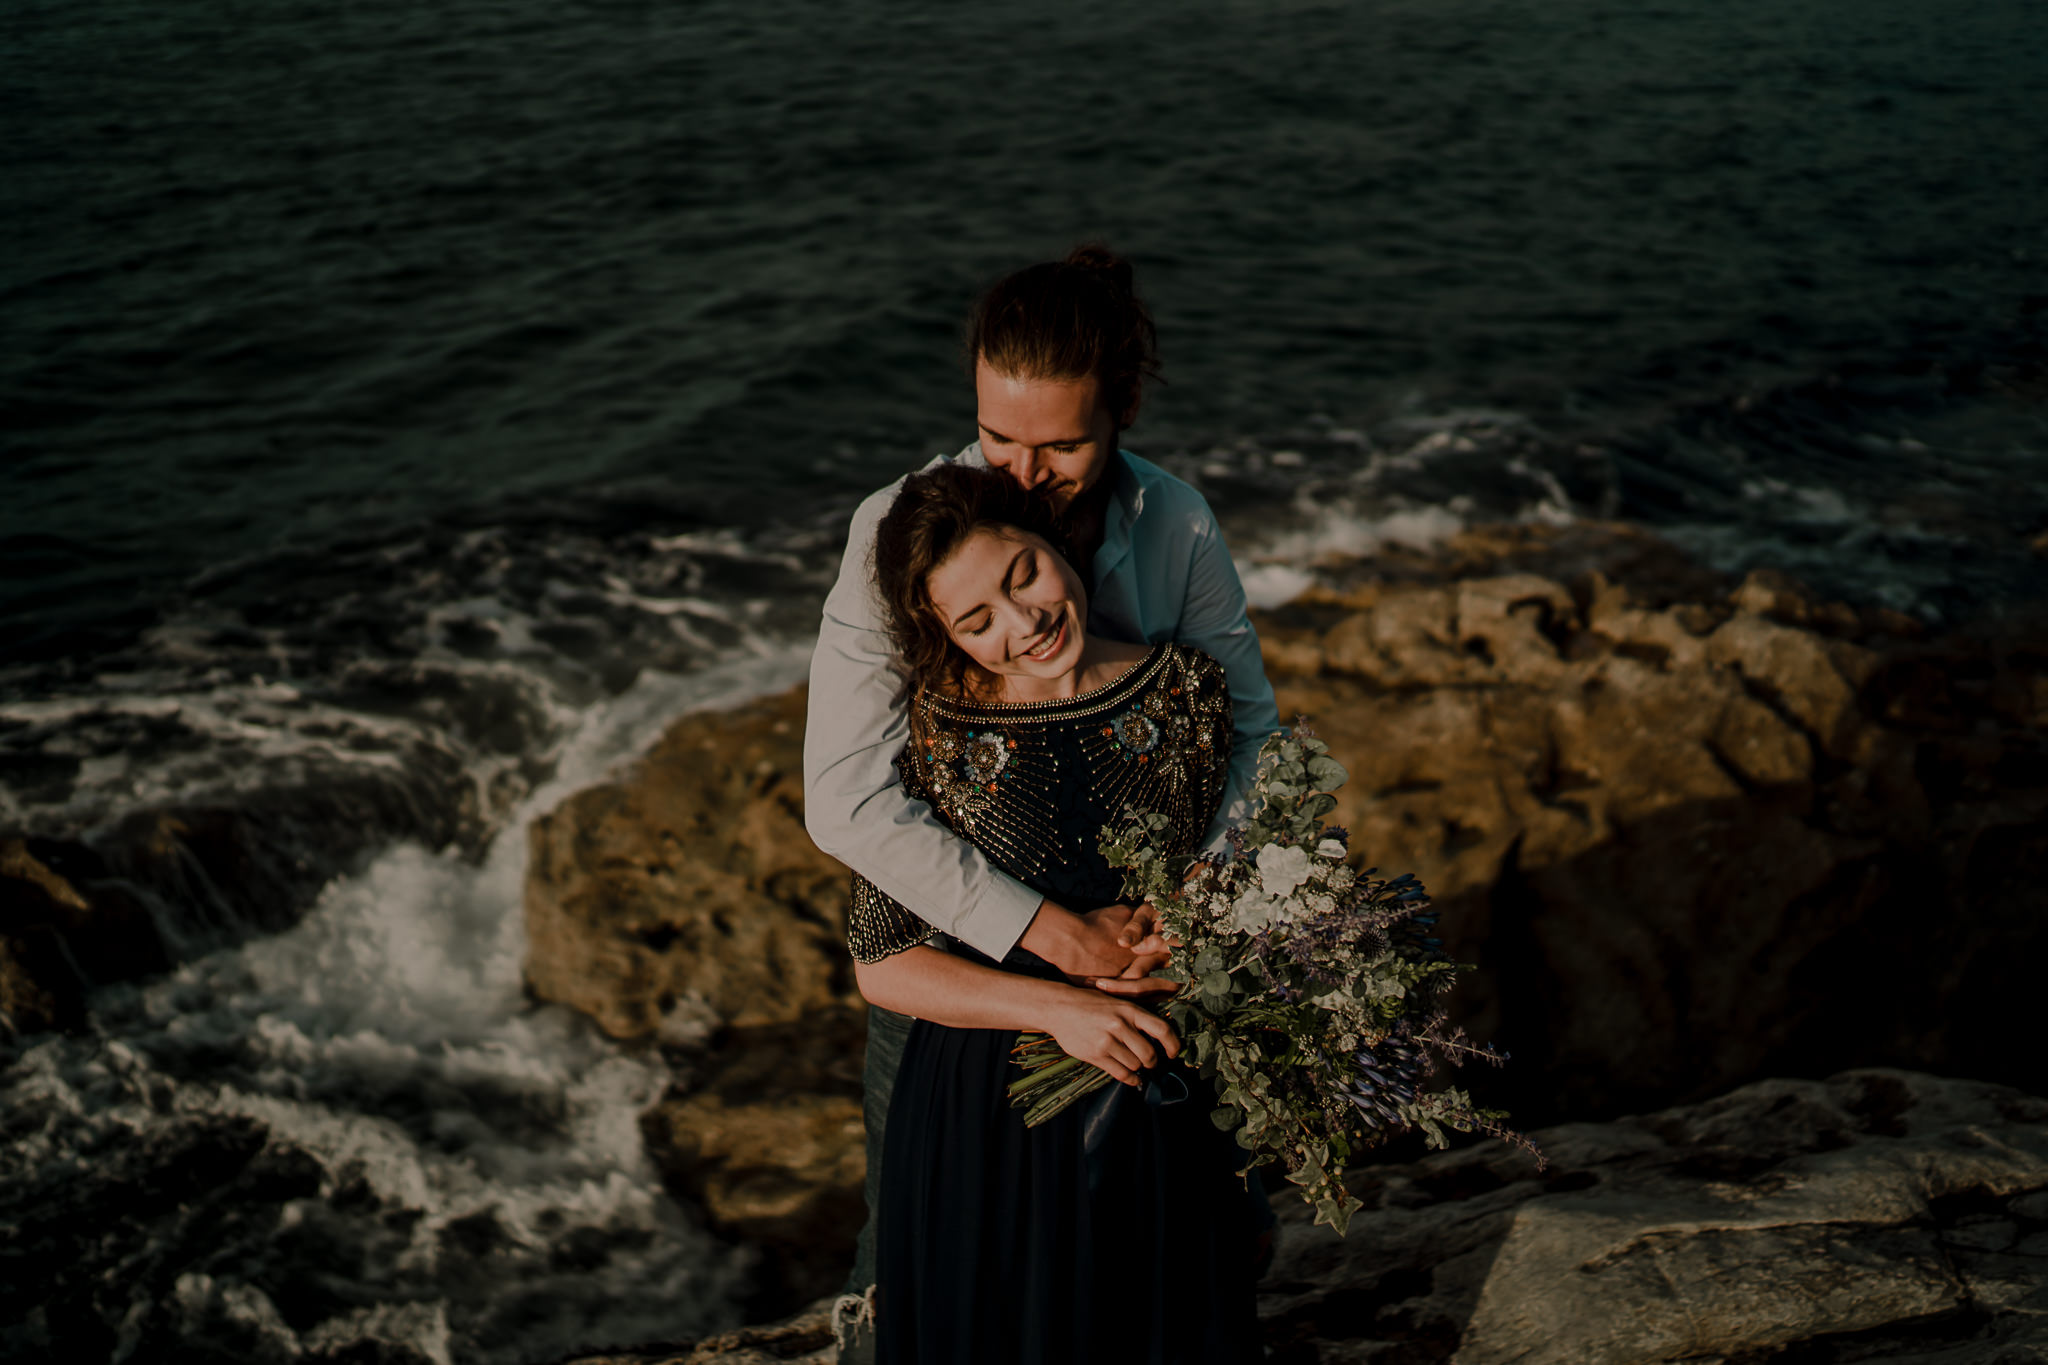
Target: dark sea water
{"type": "Point", "coordinates": [407, 409]}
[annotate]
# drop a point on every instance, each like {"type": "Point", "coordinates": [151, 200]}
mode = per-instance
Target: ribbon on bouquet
{"type": "Point", "coordinates": [1164, 1086]}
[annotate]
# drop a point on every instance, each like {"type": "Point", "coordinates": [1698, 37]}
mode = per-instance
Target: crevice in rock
{"type": "Point", "coordinates": [660, 938]}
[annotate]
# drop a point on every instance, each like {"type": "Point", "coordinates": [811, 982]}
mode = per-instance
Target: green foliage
{"type": "Point", "coordinates": [1311, 995]}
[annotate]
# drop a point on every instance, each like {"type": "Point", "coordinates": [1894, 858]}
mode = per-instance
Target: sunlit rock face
{"type": "Point", "coordinates": [762, 1131]}
{"type": "Point", "coordinates": [1691, 833]}
{"type": "Point", "coordinates": [688, 892]}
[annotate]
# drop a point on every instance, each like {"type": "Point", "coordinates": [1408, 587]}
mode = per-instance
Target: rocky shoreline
{"type": "Point", "coordinates": [1698, 835]}
{"type": "Point", "coordinates": [1694, 832]}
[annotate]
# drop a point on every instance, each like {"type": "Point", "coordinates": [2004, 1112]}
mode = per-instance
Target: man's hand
{"type": "Point", "coordinates": [1110, 941]}
{"type": "Point", "coordinates": [1149, 949]}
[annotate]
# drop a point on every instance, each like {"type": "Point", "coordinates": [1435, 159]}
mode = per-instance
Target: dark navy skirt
{"type": "Point", "coordinates": [1116, 1234]}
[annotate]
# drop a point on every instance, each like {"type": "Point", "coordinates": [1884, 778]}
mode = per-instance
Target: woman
{"type": "Point", "coordinates": [1117, 1232]}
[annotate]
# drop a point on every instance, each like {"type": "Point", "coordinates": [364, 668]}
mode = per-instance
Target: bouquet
{"type": "Point", "coordinates": [1310, 992]}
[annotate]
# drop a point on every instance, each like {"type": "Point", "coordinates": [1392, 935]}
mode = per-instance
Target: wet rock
{"type": "Point", "coordinates": [1862, 1217]}
{"type": "Point", "coordinates": [90, 1252]}
{"type": "Point", "coordinates": [168, 883]}
{"type": "Point", "coordinates": [66, 924]}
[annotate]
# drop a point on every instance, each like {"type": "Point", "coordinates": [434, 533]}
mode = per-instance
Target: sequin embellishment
{"type": "Point", "coordinates": [1157, 738]}
{"type": "Point", "coordinates": [1134, 732]}
{"type": "Point", "coordinates": [962, 768]}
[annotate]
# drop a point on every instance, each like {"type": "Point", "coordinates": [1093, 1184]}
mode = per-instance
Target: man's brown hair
{"type": "Point", "coordinates": [1069, 319]}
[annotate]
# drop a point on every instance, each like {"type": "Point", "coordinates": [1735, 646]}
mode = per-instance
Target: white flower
{"type": "Point", "coordinates": [1254, 910]}
{"type": "Point", "coordinates": [1332, 849]}
{"type": "Point", "coordinates": [1281, 868]}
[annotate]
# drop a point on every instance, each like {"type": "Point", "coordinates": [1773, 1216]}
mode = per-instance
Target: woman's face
{"type": "Point", "coordinates": [1012, 603]}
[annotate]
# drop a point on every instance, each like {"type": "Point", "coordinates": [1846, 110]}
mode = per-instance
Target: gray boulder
{"type": "Point", "coordinates": [1878, 1215]}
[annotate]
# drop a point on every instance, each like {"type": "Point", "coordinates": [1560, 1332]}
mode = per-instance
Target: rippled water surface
{"type": "Point", "coordinates": [284, 269]}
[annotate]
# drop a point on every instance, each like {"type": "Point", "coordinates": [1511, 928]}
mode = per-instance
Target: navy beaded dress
{"type": "Point", "coordinates": [1118, 1231]}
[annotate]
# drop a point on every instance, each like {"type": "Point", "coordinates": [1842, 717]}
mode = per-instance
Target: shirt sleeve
{"type": "Point", "coordinates": [1213, 619]}
{"type": "Point", "coordinates": [854, 804]}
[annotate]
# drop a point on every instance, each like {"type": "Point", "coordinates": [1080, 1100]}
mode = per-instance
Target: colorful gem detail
{"type": "Point", "coordinates": [1134, 732]}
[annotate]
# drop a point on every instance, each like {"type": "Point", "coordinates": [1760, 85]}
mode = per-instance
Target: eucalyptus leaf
{"type": "Point", "coordinates": [1327, 773]}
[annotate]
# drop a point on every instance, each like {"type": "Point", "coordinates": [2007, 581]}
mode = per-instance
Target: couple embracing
{"type": "Point", "coordinates": [1024, 640]}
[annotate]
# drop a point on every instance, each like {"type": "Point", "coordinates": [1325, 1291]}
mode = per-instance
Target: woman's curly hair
{"type": "Point", "coordinates": [935, 511]}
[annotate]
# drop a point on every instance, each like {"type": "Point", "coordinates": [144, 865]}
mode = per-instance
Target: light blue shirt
{"type": "Point", "coordinates": [1161, 573]}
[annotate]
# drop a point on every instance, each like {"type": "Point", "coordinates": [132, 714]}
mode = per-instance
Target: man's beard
{"type": "Point", "coordinates": [1061, 495]}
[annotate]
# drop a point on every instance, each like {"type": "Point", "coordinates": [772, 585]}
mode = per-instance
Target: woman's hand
{"type": "Point", "coordinates": [1120, 1037]}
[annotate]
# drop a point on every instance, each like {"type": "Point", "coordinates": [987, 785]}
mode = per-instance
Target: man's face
{"type": "Point", "coordinates": [1051, 434]}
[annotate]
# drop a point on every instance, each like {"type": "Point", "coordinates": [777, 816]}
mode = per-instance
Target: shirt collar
{"type": "Point", "coordinates": [1126, 500]}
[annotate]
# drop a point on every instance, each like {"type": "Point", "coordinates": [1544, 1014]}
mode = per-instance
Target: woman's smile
{"type": "Point", "coordinates": [1014, 606]}
{"type": "Point", "coordinates": [1048, 645]}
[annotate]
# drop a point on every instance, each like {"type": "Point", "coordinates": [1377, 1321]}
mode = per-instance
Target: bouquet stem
{"type": "Point", "coordinates": [1052, 1081]}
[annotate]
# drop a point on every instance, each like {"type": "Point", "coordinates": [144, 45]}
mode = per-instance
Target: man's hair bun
{"type": "Point", "coordinates": [1099, 258]}
{"type": "Point", "coordinates": [1069, 319]}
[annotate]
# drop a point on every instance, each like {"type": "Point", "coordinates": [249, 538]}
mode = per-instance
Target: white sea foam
{"type": "Point", "coordinates": [386, 1036]}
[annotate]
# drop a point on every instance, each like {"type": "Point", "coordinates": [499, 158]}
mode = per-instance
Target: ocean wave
{"type": "Point", "coordinates": [399, 1149]}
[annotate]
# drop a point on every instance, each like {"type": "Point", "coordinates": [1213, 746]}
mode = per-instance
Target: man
{"type": "Point", "coordinates": [1060, 352]}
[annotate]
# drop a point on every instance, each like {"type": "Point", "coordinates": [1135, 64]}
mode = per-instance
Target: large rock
{"type": "Point", "coordinates": [1692, 840]}
{"type": "Point", "coordinates": [1877, 1215]}
{"type": "Point", "coordinates": [763, 1133]}
{"type": "Point", "coordinates": [684, 904]}
{"type": "Point", "coordinates": [690, 883]}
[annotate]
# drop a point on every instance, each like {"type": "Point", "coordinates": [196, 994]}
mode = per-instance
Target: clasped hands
{"type": "Point", "coordinates": [1108, 952]}
{"type": "Point", "coordinates": [1114, 948]}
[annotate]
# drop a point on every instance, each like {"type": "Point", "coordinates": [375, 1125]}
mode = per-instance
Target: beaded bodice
{"type": "Point", "coordinates": [1032, 784]}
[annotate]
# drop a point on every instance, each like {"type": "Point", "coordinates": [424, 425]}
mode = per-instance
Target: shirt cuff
{"type": "Point", "coordinates": [999, 918]}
